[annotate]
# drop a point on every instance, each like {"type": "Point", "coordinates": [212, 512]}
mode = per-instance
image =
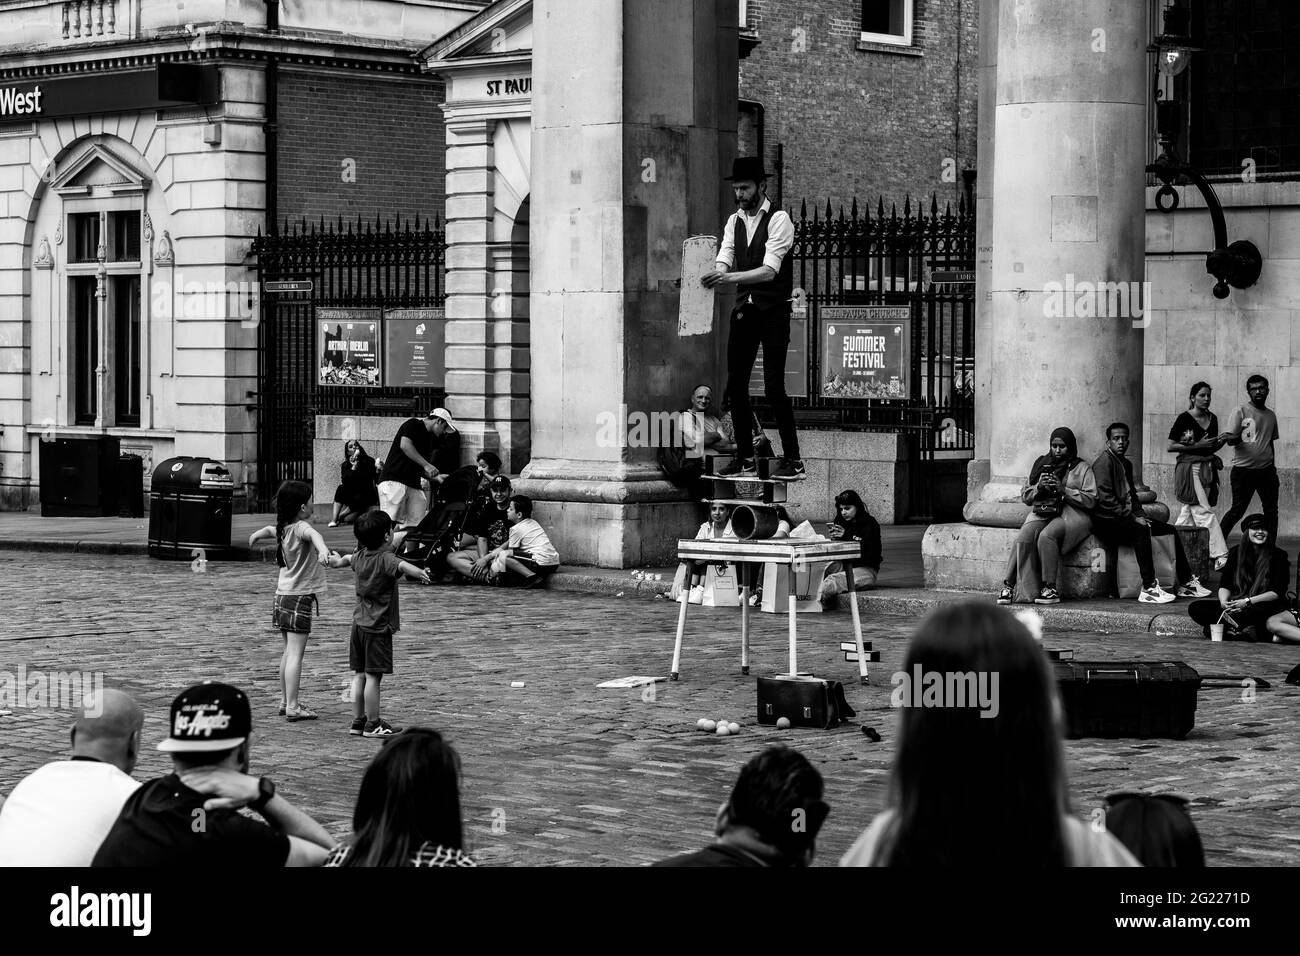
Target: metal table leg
{"type": "Point", "coordinates": [857, 622]}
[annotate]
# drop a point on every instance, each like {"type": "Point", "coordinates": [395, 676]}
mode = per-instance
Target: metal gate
{"type": "Point", "coordinates": [924, 261]}
{"type": "Point", "coordinates": [379, 265]}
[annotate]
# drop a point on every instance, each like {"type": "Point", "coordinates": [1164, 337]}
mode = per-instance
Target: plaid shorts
{"type": "Point", "coordinates": [292, 612]}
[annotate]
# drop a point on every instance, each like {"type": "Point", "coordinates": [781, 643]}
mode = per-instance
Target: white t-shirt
{"type": "Point", "coordinates": [59, 815]}
{"type": "Point", "coordinates": [528, 536]}
{"type": "Point", "coordinates": [302, 572]}
{"type": "Point", "coordinates": [706, 532]}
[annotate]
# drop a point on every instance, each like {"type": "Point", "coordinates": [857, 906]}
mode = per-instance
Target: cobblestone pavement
{"type": "Point", "coordinates": [558, 771]}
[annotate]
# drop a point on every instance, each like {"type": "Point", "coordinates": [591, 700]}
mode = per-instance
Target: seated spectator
{"type": "Point", "coordinates": [408, 809]}
{"type": "Point", "coordinates": [1156, 829]}
{"type": "Point", "coordinates": [487, 467]}
{"type": "Point", "coordinates": [853, 523]}
{"type": "Point", "coordinates": [701, 429]}
{"type": "Point", "coordinates": [690, 575]}
{"type": "Point", "coordinates": [528, 557]}
{"type": "Point", "coordinates": [59, 815]}
{"type": "Point", "coordinates": [1252, 588]}
{"type": "Point", "coordinates": [489, 529]}
{"type": "Point", "coordinates": [1060, 492]}
{"type": "Point", "coordinates": [755, 827]}
{"type": "Point", "coordinates": [211, 726]}
{"type": "Point", "coordinates": [982, 779]}
{"type": "Point", "coordinates": [356, 493]}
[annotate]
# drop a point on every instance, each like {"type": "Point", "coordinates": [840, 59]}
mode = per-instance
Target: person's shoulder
{"type": "Point", "coordinates": [865, 847]}
{"type": "Point", "coordinates": [1089, 847]}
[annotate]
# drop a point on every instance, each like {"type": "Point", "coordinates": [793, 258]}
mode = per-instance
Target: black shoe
{"type": "Point", "coordinates": [536, 581]}
{"type": "Point", "coordinates": [740, 467]}
{"type": "Point", "coordinates": [791, 469]}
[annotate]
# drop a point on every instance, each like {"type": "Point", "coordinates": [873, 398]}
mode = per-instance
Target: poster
{"type": "Point", "coordinates": [866, 352]}
{"type": "Point", "coordinates": [347, 341]}
{"type": "Point", "coordinates": [796, 363]}
{"type": "Point", "coordinates": [415, 348]}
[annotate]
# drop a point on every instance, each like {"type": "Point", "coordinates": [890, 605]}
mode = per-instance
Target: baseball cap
{"type": "Point", "coordinates": [498, 483]}
{"type": "Point", "coordinates": [445, 416]}
{"type": "Point", "coordinates": [208, 717]}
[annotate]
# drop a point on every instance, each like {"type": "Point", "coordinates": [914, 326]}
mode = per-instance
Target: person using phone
{"type": "Point", "coordinates": [853, 522]}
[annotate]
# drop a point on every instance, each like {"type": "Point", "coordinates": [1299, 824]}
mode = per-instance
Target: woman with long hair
{"type": "Point", "coordinates": [356, 493]}
{"type": "Point", "coordinates": [408, 809]}
{"type": "Point", "coordinates": [979, 777]}
{"type": "Point", "coordinates": [1195, 438]}
{"type": "Point", "coordinates": [852, 522]}
{"type": "Point", "coordinates": [1060, 492]}
{"type": "Point", "coordinates": [1252, 587]}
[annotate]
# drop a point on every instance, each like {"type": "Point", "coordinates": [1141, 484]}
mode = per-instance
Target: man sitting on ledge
{"type": "Point", "coordinates": [1118, 519]}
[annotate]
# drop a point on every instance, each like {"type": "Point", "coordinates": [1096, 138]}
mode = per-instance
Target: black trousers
{"type": "Point", "coordinates": [1117, 531]}
{"type": "Point", "coordinates": [751, 329]}
{"type": "Point", "coordinates": [1207, 611]}
{"type": "Point", "coordinates": [1246, 483]}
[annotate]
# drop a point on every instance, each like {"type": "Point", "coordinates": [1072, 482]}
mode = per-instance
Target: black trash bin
{"type": "Point", "coordinates": [190, 505]}
{"type": "Point", "coordinates": [130, 486]}
{"type": "Point", "coordinates": [79, 477]}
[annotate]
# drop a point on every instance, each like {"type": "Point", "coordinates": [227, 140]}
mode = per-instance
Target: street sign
{"type": "Point", "coordinates": [952, 276]}
{"type": "Point", "coordinates": [291, 285]}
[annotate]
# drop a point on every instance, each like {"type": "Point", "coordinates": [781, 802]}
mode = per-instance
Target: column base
{"type": "Point", "coordinates": [968, 557]}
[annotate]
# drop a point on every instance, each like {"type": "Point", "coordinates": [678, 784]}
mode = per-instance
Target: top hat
{"type": "Point", "coordinates": [747, 168]}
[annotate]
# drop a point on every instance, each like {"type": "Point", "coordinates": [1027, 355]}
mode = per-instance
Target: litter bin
{"type": "Point", "coordinates": [190, 505]}
{"type": "Point", "coordinates": [79, 477]}
{"type": "Point", "coordinates": [130, 486]}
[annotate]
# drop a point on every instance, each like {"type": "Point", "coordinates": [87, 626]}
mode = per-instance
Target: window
{"type": "Point", "coordinates": [124, 236]}
{"type": "Point", "coordinates": [84, 229]}
{"type": "Point", "coordinates": [124, 315]}
{"type": "Point", "coordinates": [84, 322]}
{"type": "Point", "coordinates": [887, 21]}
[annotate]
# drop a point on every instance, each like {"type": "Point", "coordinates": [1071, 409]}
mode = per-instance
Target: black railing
{"type": "Point", "coordinates": [361, 265]}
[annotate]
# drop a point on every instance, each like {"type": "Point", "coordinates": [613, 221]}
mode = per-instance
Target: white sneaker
{"type": "Point", "coordinates": [1193, 589]}
{"type": "Point", "coordinates": [1155, 595]}
{"type": "Point", "coordinates": [697, 594]}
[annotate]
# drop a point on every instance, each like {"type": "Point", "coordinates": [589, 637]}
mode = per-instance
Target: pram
{"type": "Point", "coordinates": [438, 535]}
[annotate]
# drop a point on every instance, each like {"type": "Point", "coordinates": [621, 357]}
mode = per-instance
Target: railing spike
{"type": "Point", "coordinates": [855, 208]}
{"type": "Point", "coordinates": [934, 204]}
{"type": "Point", "coordinates": [880, 207]}
{"type": "Point", "coordinates": [829, 213]}
{"type": "Point", "coordinates": [803, 209]}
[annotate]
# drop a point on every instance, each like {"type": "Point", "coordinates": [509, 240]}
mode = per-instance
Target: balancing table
{"type": "Point", "coordinates": [793, 552]}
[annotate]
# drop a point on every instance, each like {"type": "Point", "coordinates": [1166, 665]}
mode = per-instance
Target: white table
{"type": "Point", "coordinates": [793, 552]}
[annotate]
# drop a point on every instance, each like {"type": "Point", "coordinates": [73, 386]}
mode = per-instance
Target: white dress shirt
{"type": "Point", "coordinates": [780, 236]}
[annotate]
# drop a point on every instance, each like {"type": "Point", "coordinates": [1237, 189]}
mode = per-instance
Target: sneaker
{"type": "Point", "coordinates": [299, 713]}
{"type": "Point", "coordinates": [791, 469]}
{"type": "Point", "coordinates": [281, 710]}
{"type": "Point", "coordinates": [1048, 596]}
{"type": "Point", "coordinates": [358, 726]}
{"type": "Point", "coordinates": [536, 581]}
{"type": "Point", "coordinates": [756, 598]}
{"type": "Point", "coordinates": [697, 594]}
{"type": "Point", "coordinates": [1005, 595]}
{"type": "Point", "coordinates": [380, 728]}
{"type": "Point", "coordinates": [333, 524]}
{"type": "Point", "coordinates": [739, 467]}
{"type": "Point", "coordinates": [1193, 589]}
{"type": "Point", "coordinates": [1154, 595]}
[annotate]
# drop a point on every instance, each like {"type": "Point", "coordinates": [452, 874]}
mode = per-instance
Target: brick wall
{"type": "Point", "coordinates": [391, 127]}
{"type": "Point", "coordinates": [881, 122]}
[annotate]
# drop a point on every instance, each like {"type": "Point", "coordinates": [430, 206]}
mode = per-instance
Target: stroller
{"type": "Point", "coordinates": [438, 535]}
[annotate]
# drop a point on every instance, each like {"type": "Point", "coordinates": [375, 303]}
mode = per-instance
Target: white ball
{"type": "Point", "coordinates": [723, 730]}
{"type": "Point", "coordinates": [783, 723]}
{"type": "Point", "coordinates": [708, 725]}
{"type": "Point", "coordinates": [734, 728]}
{"type": "Point", "coordinates": [699, 724]}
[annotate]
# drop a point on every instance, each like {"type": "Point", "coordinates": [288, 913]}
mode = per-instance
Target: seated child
{"type": "Point", "coordinates": [528, 557]}
{"type": "Point", "coordinates": [691, 580]}
{"type": "Point", "coordinates": [853, 523]}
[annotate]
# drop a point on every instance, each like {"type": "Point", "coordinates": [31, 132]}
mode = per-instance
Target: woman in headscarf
{"type": "Point", "coordinates": [1060, 492]}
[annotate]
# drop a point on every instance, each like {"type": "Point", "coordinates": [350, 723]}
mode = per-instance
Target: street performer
{"type": "Point", "coordinates": [754, 255]}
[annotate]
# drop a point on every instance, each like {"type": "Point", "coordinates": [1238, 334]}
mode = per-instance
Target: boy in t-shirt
{"type": "Point", "coordinates": [528, 557]}
{"type": "Point", "coordinates": [370, 648]}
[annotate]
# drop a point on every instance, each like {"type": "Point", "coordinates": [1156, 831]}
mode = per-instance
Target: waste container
{"type": "Point", "coordinates": [190, 504]}
{"type": "Point", "coordinates": [130, 486]}
{"type": "Point", "coordinates": [79, 476]}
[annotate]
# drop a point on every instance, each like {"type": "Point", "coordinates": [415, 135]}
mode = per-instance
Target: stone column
{"type": "Point", "coordinates": [634, 119]}
{"type": "Point", "coordinates": [1061, 345]}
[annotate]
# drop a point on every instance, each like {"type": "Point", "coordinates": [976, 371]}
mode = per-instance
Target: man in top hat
{"type": "Point", "coordinates": [189, 818]}
{"type": "Point", "coordinates": [754, 256]}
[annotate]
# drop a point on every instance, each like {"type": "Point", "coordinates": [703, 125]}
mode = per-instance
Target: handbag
{"type": "Point", "coordinates": [1048, 507]}
{"type": "Point", "coordinates": [804, 701]}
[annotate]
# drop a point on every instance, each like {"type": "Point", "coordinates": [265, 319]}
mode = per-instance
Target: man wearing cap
{"type": "Point", "coordinates": [491, 530]}
{"type": "Point", "coordinates": [189, 818]}
{"type": "Point", "coordinates": [409, 459]}
{"type": "Point", "coordinates": [754, 257]}
{"type": "Point", "coordinates": [59, 815]}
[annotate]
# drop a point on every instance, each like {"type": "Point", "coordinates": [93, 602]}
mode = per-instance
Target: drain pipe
{"type": "Point", "coordinates": [271, 128]}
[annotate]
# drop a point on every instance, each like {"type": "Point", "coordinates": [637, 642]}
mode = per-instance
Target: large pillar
{"type": "Point", "coordinates": [634, 120]}
{"type": "Point", "coordinates": [1054, 348]}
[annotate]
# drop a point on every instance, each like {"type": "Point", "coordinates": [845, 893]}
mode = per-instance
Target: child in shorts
{"type": "Point", "coordinates": [301, 553]}
{"type": "Point", "coordinates": [370, 647]}
{"type": "Point", "coordinates": [528, 557]}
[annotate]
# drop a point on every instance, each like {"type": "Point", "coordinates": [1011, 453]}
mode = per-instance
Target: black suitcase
{"type": "Point", "coordinates": [805, 701]}
{"type": "Point", "coordinates": [1128, 698]}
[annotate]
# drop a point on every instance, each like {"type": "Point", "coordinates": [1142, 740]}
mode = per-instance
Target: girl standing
{"type": "Point", "coordinates": [302, 578]}
{"type": "Point", "coordinates": [1195, 438]}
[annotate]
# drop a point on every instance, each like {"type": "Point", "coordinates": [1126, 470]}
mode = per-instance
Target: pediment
{"type": "Point", "coordinates": [504, 28]}
{"type": "Point", "coordinates": [99, 166]}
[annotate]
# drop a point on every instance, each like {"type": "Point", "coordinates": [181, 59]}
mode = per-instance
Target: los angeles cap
{"type": "Point", "coordinates": [208, 717]}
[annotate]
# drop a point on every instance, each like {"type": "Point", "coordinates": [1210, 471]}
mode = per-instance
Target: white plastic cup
{"type": "Point", "coordinates": [1216, 632]}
